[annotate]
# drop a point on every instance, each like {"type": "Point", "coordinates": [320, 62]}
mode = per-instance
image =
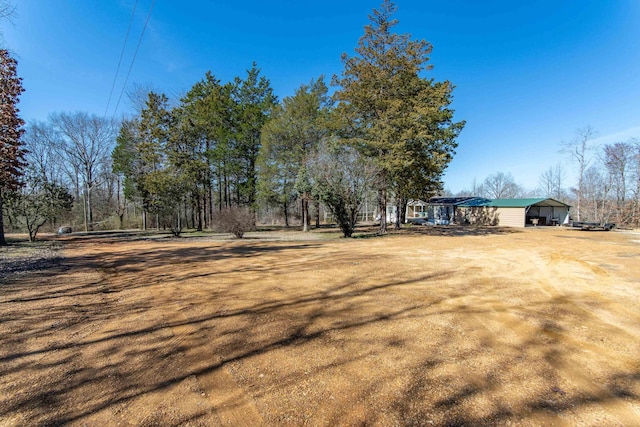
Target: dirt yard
{"type": "Point", "coordinates": [442, 327]}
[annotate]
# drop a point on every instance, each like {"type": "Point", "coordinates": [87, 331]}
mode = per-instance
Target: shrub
{"type": "Point", "coordinates": [236, 220]}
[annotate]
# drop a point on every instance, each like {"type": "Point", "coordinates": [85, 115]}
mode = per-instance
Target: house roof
{"type": "Point", "coordinates": [514, 203]}
{"type": "Point", "coordinates": [451, 200]}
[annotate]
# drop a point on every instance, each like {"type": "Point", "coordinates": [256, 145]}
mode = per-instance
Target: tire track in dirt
{"type": "Point", "coordinates": [597, 312]}
{"type": "Point", "coordinates": [124, 368]}
{"type": "Point", "coordinates": [210, 389]}
{"type": "Point", "coordinates": [491, 334]}
{"type": "Point", "coordinates": [537, 331]}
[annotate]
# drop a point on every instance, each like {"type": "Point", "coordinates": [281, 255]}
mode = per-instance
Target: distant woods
{"type": "Point", "coordinates": [606, 186]}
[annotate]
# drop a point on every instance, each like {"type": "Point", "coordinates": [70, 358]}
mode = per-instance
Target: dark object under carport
{"type": "Point", "coordinates": [591, 226]}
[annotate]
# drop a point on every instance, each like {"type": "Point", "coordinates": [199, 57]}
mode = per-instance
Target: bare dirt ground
{"type": "Point", "coordinates": [443, 327]}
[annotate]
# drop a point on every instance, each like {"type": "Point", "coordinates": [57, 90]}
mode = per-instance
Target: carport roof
{"type": "Point", "coordinates": [515, 203]}
{"type": "Point", "coordinates": [452, 200]}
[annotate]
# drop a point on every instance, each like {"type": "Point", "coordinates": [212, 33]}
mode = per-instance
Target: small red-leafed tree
{"type": "Point", "coordinates": [11, 129]}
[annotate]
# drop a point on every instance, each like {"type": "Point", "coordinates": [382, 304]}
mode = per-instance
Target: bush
{"type": "Point", "coordinates": [236, 220]}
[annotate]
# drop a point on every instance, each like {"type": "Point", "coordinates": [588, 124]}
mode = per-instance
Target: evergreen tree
{"type": "Point", "coordinates": [153, 133]}
{"type": "Point", "coordinates": [11, 129]}
{"type": "Point", "coordinates": [288, 140]}
{"type": "Point", "coordinates": [255, 100]}
{"type": "Point", "coordinates": [126, 165]}
{"type": "Point", "coordinates": [205, 123]}
{"type": "Point", "coordinates": [394, 115]}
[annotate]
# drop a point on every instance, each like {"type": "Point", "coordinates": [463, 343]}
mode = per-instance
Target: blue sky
{"type": "Point", "coordinates": [527, 73]}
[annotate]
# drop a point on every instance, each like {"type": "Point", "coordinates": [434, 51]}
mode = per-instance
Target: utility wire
{"type": "Point", "coordinates": [133, 59]}
{"type": "Point", "coordinates": [126, 37]}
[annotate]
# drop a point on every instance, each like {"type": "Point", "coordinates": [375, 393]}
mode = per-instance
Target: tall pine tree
{"type": "Point", "coordinates": [289, 139]}
{"type": "Point", "coordinates": [255, 100]}
{"type": "Point", "coordinates": [393, 114]}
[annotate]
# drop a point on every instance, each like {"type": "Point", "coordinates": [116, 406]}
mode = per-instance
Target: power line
{"type": "Point", "coordinates": [134, 58]}
{"type": "Point", "coordinates": [113, 85]}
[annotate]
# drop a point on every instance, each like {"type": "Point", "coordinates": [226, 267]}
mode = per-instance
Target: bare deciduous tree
{"type": "Point", "coordinates": [39, 138]}
{"type": "Point", "coordinates": [635, 172]}
{"type": "Point", "coordinates": [341, 178]}
{"type": "Point", "coordinates": [501, 186]}
{"type": "Point", "coordinates": [622, 162]}
{"type": "Point", "coordinates": [86, 142]}
{"type": "Point", "coordinates": [137, 94]}
{"type": "Point", "coordinates": [550, 182]}
{"type": "Point", "coordinates": [597, 188]}
{"type": "Point", "coordinates": [235, 219]}
{"type": "Point", "coordinates": [578, 148]}
{"type": "Point", "coordinates": [7, 11]}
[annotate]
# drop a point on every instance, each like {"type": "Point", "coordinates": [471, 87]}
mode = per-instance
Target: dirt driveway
{"type": "Point", "coordinates": [446, 327]}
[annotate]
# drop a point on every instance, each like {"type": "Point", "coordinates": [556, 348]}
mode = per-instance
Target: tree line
{"type": "Point", "coordinates": [386, 130]}
{"type": "Point", "coordinates": [229, 153]}
{"type": "Point", "coordinates": [607, 187]}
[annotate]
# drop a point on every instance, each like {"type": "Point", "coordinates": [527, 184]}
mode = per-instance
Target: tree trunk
{"type": "Point", "coordinates": [382, 206]}
{"type": "Point", "coordinates": [317, 205]}
{"type": "Point", "coordinates": [286, 215]}
{"type": "Point", "coordinates": [200, 210]}
{"type": "Point", "coordinates": [84, 211]}
{"type": "Point", "coordinates": [210, 202]}
{"type": "Point", "coordinates": [185, 214]}
{"type": "Point", "coordinates": [226, 191]}
{"type": "Point", "coordinates": [305, 215]}
{"type": "Point", "coordinates": [89, 210]}
{"type": "Point", "coordinates": [121, 207]}
{"type": "Point", "coordinates": [3, 242]}
{"type": "Point", "coordinates": [219, 190]}
{"type": "Point", "coordinates": [398, 221]}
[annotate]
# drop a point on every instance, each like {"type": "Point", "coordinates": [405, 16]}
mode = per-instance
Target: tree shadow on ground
{"type": "Point", "coordinates": [437, 230]}
{"type": "Point", "coordinates": [102, 334]}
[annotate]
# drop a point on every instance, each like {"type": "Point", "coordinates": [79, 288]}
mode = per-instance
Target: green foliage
{"type": "Point", "coordinates": [201, 143]}
{"type": "Point", "coordinates": [141, 149]}
{"type": "Point", "coordinates": [255, 101]}
{"type": "Point", "coordinates": [392, 114]}
{"type": "Point", "coordinates": [289, 139]}
{"type": "Point", "coordinates": [153, 128]}
{"type": "Point", "coordinates": [167, 188]}
{"type": "Point", "coordinates": [232, 144]}
{"type": "Point", "coordinates": [125, 158]}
